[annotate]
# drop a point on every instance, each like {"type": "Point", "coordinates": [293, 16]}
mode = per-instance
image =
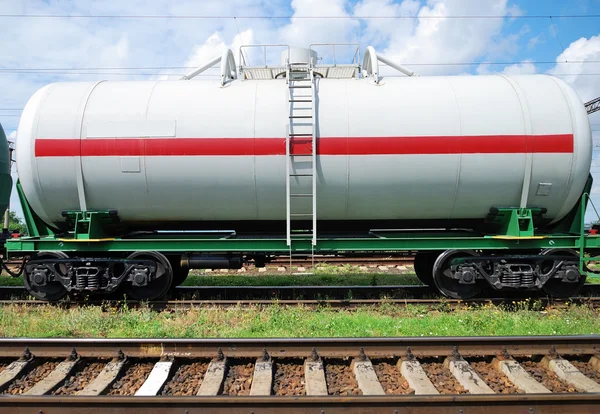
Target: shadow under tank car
{"type": "Point", "coordinates": [128, 185]}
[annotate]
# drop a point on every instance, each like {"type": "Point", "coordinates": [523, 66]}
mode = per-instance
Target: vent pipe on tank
{"type": "Point", "coordinates": [228, 70]}
{"type": "Point", "coordinates": [371, 65]}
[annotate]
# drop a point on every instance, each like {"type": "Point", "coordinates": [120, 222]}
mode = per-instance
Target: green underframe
{"type": "Point", "coordinates": [514, 231]}
{"type": "Point", "coordinates": [392, 242]}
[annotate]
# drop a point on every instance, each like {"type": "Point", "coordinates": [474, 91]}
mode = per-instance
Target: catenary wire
{"type": "Point", "coordinates": [213, 75]}
{"type": "Point", "coordinates": [164, 16]}
{"type": "Point", "coordinates": [557, 36]}
{"type": "Point", "coordinates": [540, 62]}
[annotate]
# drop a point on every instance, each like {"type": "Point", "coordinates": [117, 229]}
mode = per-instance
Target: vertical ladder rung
{"type": "Point", "coordinates": [302, 76]}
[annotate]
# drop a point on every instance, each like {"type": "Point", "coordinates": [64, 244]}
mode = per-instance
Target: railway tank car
{"type": "Point", "coordinates": [307, 154]}
{"type": "Point", "coordinates": [5, 177]}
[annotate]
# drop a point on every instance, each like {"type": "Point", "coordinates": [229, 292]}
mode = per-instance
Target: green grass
{"type": "Point", "coordinates": [11, 281]}
{"type": "Point", "coordinates": [279, 321]}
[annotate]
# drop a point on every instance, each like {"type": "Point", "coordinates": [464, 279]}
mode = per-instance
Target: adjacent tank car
{"type": "Point", "coordinates": [130, 184]}
{"type": "Point", "coordinates": [5, 177]}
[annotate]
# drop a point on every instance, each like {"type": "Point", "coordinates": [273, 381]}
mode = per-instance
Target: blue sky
{"type": "Point", "coordinates": [157, 45]}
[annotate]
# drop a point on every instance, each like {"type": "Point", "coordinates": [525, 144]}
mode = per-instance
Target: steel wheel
{"type": "Point", "coordinates": [53, 290]}
{"type": "Point", "coordinates": [442, 276]}
{"type": "Point", "coordinates": [161, 283]}
{"type": "Point", "coordinates": [557, 287]}
{"type": "Point", "coordinates": [423, 265]}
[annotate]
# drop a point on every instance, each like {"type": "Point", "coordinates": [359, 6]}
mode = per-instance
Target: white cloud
{"type": "Point", "coordinates": [303, 32]}
{"type": "Point", "coordinates": [298, 32]}
{"type": "Point", "coordinates": [515, 11]}
{"type": "Point", "coordinates": [581, 50]}
{"type": "Point", "coordinates": [526, 67]}
{"type": "Point", "coordinates": [214, 47]}
{"type": "Point", "coordinates": [429, 40]}
{"type": "Point", "coordinates": [534, 42]}
{"type": "Point", "coordinates": [382, 32]}
{"type": "Point", "coordinates": [211, 48]}
{"type": "Point", "coordinates": [580, 71]}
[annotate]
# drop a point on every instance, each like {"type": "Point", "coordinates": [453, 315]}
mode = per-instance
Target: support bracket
{"type": "Point", "coordinates": [89, 225]}
{"type": "Point", "coordinates": [514, 222]}
{"type": "Point", "coordinates": [35, 225]}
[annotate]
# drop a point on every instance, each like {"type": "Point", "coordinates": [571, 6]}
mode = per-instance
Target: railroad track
{"type": "Point", "coordinates": [312, 296]}
{"type": "Point", "coordinates": [433, 303]}
{"type": "Point", "coordinates": [350, 375]}
{"type": "Point", "coordinates": [282, 292]}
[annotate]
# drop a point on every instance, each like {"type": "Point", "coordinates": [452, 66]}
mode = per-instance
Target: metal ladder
{"type": "Point", "coordinates": [301, 153]}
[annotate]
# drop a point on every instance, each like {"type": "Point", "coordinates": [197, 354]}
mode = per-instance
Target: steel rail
{"type": "Point", "coordinates": [312, 290]}
{"type": "Point", "coordinates": [302, 347]}
{"type": "Point", "coordinates": [237, 293]}
{"type": "Point", "coordinates": [430, 404]}
{"type": "Point", "coordinates": [162, 305]}
{"type": "Point", "coordinates": [240, 292]}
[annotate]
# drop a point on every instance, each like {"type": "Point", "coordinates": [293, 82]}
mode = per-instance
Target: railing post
{"type": "Point", "coordinates": [334, 55]}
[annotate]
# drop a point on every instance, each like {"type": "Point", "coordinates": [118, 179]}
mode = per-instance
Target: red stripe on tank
{"type": "Point", "coordinates": [472, 144]}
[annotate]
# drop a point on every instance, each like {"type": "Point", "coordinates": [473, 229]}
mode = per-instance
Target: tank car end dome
{"type": "Point", "coordinates": [5, 178]}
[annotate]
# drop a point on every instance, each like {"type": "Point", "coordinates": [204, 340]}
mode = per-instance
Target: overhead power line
{"type": "Point", "coordinates": [77, 69]}
{"type": "Point", "coordinates": [108, 68]}
{"type": "Point", "coordinates": [175, 16]}
{"type": "Point", "coordinates": [216, 75]}
{"type": "Point", "coordinates": [38, 72]}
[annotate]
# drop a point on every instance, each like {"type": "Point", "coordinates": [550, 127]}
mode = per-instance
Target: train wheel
{"type": "Point", "coordinates": [444, 276]}
{"type": "Point", "coordinates": [423, 264]}
{"type": "Point", "coordinates": [557, 287]}
{"type": "Point", "coordinates": [43, 289]}
{"type": "Point", "coordinates": [161, 283]}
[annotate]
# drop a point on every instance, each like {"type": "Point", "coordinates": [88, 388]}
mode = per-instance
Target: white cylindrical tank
{"type": "Point", "coordinates": [406, 148]}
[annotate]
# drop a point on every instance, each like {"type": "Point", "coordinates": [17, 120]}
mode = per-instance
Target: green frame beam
{"type": "Point", "coordinates": [393, 242]}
